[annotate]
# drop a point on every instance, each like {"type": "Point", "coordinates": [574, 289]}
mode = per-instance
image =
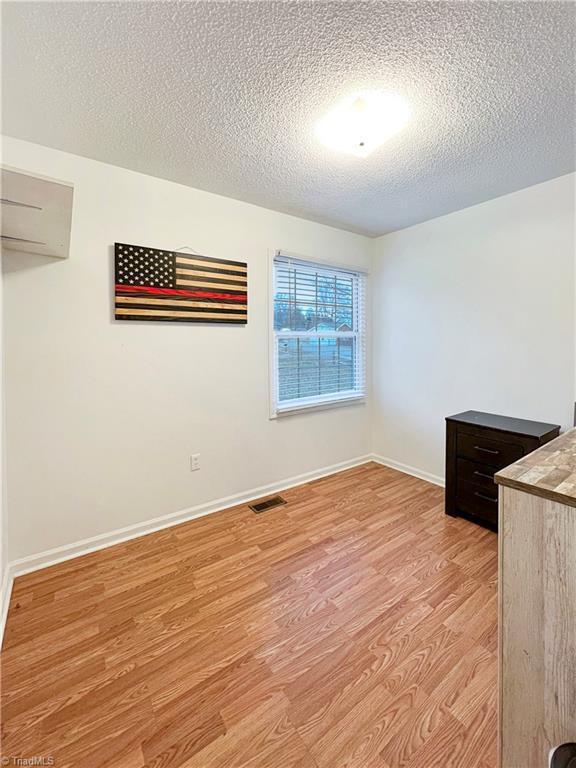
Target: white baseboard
{"type": "Point", "coordinates": [83, 547]}
{"type": "Point", "coordinates": [408, 470]}
{"type": "Point", "coordinates": [5, 594]}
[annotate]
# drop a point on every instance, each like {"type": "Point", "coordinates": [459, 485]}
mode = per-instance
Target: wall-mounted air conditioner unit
{"type": "Point", "coordinates": [36, 214]}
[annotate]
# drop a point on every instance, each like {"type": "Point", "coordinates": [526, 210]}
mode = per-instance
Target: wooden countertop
{"type": "Point", "coordinates": [550, 471]}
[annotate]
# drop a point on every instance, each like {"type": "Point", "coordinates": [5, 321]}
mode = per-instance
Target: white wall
{"type": "Point", "coordinates": [103, 416]}
{"type": "Point", "coordinates": [3, 506]}
{"type": "Point", "coordinates": [474, 310]}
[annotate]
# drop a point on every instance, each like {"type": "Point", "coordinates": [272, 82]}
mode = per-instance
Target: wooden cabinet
{"type": "Point", "coordinates": [478, 445]}
{"type": "Point", "coordinates": [537, 605]}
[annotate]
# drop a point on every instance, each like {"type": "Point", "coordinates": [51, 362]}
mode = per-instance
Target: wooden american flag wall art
{"type": "Point", "coordinates": [153, 285]}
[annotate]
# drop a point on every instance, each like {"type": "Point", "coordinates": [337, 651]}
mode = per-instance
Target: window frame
{"type": "Point", "coordinates": [337, 399]}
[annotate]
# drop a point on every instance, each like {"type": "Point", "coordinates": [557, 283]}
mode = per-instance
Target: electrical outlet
{"type": "Point", "coordinates": [194, 462]}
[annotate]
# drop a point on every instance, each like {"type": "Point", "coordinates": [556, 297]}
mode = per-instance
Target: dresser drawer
{"type": "Point", "coordinates": [477, 446]}
{"type": "Point", "coordinates": [481, 475]}
{"type": "Point", "coordinates": [486, 451]}
{"type": "Point", "coordinates": [476, 501]}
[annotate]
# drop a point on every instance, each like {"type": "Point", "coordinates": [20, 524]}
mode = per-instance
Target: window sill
{"type": "Point", "coordinates": [322, 406]}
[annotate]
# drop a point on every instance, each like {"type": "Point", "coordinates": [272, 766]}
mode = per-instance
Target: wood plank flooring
{"type": "Point", "coordinates": [354, 627]}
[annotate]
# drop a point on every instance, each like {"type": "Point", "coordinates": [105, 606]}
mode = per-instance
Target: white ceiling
{"type": "Point", "coordinates": [224, 96]}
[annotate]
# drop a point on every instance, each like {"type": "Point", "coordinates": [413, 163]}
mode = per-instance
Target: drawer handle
{"type": "Point", "coordinates": [486, 498]}
{"type": "Point", "coordinates": [483, 474]}
{"type": "Point", "coordinates": [487, 450]}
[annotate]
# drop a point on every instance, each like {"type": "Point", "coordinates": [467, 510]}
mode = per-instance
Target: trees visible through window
{"type": "Point", "coordinates": [319, 333]}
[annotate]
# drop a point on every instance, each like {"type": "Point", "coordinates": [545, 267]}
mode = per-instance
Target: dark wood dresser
{"type": "Point", "coordinates": [478, 445]}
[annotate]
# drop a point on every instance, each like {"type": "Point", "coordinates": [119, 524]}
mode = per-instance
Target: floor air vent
{"type": "Point", "coordinates": [264, 506]}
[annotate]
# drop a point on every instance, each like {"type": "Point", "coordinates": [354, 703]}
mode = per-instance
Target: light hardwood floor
{"type": "Point", "coordinates": [353, 628]}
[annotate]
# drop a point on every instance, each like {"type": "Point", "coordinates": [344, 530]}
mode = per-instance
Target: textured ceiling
{"type": "Point", "coordinates": [224, 96]}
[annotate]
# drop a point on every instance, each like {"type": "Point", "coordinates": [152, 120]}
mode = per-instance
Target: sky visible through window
{"type": "Point", "coordinates": [310, 303]}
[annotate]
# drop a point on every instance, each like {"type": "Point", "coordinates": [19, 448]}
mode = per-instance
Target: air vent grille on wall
{"type": "Point", "coordinates": [264, 506]}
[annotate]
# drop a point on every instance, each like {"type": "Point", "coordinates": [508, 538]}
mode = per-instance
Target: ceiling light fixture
{"type": "Point", "coordinates": [363, 122]}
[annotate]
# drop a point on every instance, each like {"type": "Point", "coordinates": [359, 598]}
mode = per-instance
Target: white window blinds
{"type": "Point", "coordinates": [319, 334]}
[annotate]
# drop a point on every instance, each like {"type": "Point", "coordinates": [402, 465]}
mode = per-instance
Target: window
{"type": "Point", "coordinates": [318, 352]}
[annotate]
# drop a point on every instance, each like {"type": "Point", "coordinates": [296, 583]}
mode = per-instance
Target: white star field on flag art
{"type": "Point", "coordinates": [146, 268]}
